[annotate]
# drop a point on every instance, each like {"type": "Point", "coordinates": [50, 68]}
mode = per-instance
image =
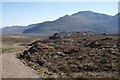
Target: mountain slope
{"type": "Point", "coordinates": [81, 21]}
{"type": "Point", "coordinates": [16, 29]}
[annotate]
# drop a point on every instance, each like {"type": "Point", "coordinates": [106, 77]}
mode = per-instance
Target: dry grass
{"type": "Point", "coordinates": [16, 43]}
{"type": "Point", "coordinates": [9, 48]}
{"type": "Point", "coordinates": [74, 56]}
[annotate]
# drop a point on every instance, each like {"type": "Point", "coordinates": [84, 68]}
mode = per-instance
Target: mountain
{"type": "Point", "coordinates": [83, 21]}
{"type": "Point", "coordinates": [16, 29]}
{"type": "Point", "coordinates": [13, 29]}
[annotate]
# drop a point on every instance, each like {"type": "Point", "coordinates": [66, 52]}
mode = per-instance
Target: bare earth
{"type": "Point", "coordinates": [14, 68]}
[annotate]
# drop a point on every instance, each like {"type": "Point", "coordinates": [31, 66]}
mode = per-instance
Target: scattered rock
{"type": "Point", "coordinates": [93, 44]}
{"type": "Point", "coordinates": [74, 52]}
{"type": "Point", "coordinates": [40, 62]}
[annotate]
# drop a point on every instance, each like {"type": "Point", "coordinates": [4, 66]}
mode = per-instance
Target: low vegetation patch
{"type": "Point", "coordinates": [68, 55]}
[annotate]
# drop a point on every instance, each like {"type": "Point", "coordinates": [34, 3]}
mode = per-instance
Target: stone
{"type": "Point", "coordinates": [40, 62]}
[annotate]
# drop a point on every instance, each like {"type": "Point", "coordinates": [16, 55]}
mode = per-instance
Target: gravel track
{"type": "Point", "coordinates": [13, 68]}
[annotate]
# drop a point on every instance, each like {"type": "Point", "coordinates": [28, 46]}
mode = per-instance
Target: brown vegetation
{"type": "Point", "coordinates": [74, 55]}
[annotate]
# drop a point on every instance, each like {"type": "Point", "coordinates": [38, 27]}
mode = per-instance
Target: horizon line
{"type": "Point", "coordinates": [58, 18]}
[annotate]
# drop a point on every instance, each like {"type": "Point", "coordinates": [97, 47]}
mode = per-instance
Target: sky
{"type": "Point", "coordinates": [26, 13]}
{"type": "Point", "coordinates": [59, 0]}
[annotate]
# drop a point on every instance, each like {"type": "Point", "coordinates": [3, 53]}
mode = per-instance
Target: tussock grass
{"type": "Point", "coordinates": [9, 48]}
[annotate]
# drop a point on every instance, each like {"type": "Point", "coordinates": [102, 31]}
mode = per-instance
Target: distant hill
{"type": "Point", "coordinates": [16, 29]}
{"type": "Point", "coordinates": [83, 21]}
{"type": "Point", "coordinates": [13, 29]}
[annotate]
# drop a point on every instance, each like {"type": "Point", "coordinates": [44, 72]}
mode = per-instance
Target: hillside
{"type": "Point", "coordinates": [81, 21]}
{"type": "Point", "coordinates": [84, 21]}
{"type": "Point", "coordinates": [16, 29]}
{"type": "Point", "coordinates": [74, 55]}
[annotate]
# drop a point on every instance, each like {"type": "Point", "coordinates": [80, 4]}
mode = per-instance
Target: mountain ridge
{"type": "Point", "coordinates": [82, 21]}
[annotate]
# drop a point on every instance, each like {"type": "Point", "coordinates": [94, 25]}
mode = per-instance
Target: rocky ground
{"type": "Point", "coordinates": [66, 55]}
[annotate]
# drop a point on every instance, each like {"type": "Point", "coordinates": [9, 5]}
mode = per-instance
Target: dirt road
{"type": "Point", "coordinates": [14, 68]}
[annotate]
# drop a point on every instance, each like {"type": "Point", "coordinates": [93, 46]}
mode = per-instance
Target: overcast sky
{"type": "Point", "coordinates": [25, 13]}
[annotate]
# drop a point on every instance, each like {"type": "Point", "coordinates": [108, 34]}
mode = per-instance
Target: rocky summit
{"type": "Point", "coordinates": [66, 55]}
